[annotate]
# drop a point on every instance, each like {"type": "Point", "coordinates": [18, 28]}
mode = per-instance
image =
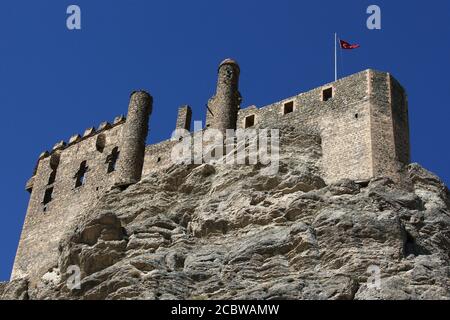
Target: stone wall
{"type": "Point", "coordinates": [400, 118]}
{"type": "Point", "coordinates": [184, 118]}
{"type": "Point", "coordinates": [355, 125]}
{"type": "Point", "coordinates": [44, 224]}
{"type": "Point", "coordinates": [363, 127]}
{"type": "Point", "coordinates": [157, 157]}
{"type": "Point", "coordinates": [361, 122]}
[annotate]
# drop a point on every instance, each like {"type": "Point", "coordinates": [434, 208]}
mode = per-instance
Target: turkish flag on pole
{"type": "Point", "coordinates": [348, 46]}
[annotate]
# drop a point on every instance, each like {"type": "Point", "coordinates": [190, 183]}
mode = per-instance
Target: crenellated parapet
{"type": "Point", "coordinates": [65, 181]}
{"type": "Point", "coordinates": [88, 133]}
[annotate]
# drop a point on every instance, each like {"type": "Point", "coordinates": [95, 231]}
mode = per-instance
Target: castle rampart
{"type": "Point", "coordinates": [362, 122]}
{"type": "Point", "coordinates": [363, 125]}
{"type": "Point", "coordinates": [361, 137]}
{"type": "Point", "coordinates": [55, 197]}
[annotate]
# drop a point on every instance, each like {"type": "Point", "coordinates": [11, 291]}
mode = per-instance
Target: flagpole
{"type": "Point", "coordinates": [335, 56]}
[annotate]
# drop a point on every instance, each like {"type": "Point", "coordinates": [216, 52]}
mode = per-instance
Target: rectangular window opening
{"type": "Point", "coordinates": [111, 160]}
{"type": "Point", "coordinates": [48, 196]}
{"type": "Point", "coordinates": [288, 107]}
{"type": "Point", "coordinates": [52, 177]}
{"type": "Point", "coordinates": [327, 94]}
{"type": "Point", "coordinates": [80, 176]}
{"type": "Point", "coordinates": [249, 121]}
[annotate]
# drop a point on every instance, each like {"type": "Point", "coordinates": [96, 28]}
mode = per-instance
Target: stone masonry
{"type": "Point", "coordinates": [362, 122]}
{"type": "Point", "coordinates": [184, 118]}
{"type": "Point", "coordinates": [223, 108]}
{"type": "Point", "coordinates": [134, 134]}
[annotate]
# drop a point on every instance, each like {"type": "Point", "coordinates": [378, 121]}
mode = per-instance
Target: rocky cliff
{"type": "Point", "coordinates": [232, 232]}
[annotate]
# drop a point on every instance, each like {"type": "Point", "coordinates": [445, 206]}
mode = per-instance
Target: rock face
{"type": "Point", "coordinates": [232, 232]}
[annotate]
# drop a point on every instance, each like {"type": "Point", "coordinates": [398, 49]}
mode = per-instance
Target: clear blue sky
{"type": "Point", "coordinates": [55, 82]}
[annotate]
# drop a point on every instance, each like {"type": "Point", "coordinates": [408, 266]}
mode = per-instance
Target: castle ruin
{"type": "Point", "coordinates": [362, 121]}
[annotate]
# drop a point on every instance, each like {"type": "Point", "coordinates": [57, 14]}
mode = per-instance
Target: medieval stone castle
{"type": "Point", "coordinates": [362, 121]}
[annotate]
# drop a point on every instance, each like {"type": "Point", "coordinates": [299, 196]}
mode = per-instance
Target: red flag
{"type": "Point", "coordinates": [348, 46]}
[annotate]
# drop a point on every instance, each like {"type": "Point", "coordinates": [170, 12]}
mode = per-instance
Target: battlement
{"type": "Point", "coordinates": [88, 133]}
{"type": "Point", "coordinates": [342, 113]}
{"type": "Point", "coordinates": [65, 181]}
{"type": "Point", "coordinates": [361, 120]}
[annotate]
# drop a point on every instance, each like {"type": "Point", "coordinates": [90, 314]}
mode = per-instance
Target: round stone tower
{"type": "Point", "coordinates": [134, 135]}
{"type": "Point", "coordinates": [223, 107]}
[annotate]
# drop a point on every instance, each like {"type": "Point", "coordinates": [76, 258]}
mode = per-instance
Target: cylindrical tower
{"type": "Point", "coordinates": [223, 107]}
{"type": "Point", "coordinates": [134, 135]}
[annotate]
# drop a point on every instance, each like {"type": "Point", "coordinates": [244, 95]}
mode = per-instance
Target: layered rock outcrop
{"type": "Point", "coordinates": [232, 232]}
